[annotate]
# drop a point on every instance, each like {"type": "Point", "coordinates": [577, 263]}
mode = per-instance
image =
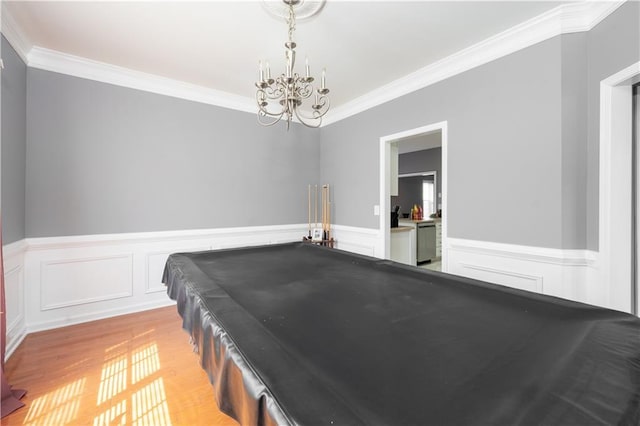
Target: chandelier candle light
{"type": "Point", "coordinates": [283, 96]}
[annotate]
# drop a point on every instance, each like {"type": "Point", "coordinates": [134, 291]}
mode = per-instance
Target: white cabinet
{"type": "Point", "coordinates": [403, 245]}
{"type": "Point", "coordinates": [393, 168]}
{"type": "Point", "coordinates": [437, 234]}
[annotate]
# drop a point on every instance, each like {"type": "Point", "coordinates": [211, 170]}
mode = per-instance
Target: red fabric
{"type": "Point", "coordinates": [10, 397]}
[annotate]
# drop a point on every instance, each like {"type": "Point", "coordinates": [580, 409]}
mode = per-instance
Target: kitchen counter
{"type": "Point", "coordinates": [402, 229]}
{"type": "Point", "coordinates": [411, 221]}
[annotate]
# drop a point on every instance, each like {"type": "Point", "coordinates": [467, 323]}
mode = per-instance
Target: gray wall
{"type": "Point", "coordinates": [14, 88]}
{"type": "Point", "coordinates": [522, 122]}
{"type": "Point", "coordinates": [613, 45]}
{"type": "Point", "coordinates": [102, 158]}
{"type": "Point", "coordinates": [504, 123]}
{"type": "Point", "coordinates": [573, 199]}
{"type": "Point", "coordinates": [108, 159]}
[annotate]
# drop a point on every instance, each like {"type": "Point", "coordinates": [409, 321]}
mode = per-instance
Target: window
{"type": "Point", "coordinates": [428, 197]}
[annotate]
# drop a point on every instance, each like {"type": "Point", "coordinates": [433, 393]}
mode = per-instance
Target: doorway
{"type": "Point", "coordinates": [404, 140]}
{"type": "Point", "coordinates": [617, 285]}
{"type": "Point", "coordinates": [635, 131]}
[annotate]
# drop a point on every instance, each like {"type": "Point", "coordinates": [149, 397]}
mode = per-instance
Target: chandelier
{"type": "Point", "coordinates": [282, 97]}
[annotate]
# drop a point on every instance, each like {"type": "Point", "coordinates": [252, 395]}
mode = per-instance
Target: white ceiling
{"type": "Point", "coordinates": [217, 44]}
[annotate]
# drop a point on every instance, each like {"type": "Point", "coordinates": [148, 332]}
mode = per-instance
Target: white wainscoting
{"type": "Point", "coordinates": [357, 240]}
{"type": "Point", "coordinates": [54, 282]}
{"type": "Point", "coordinates": [59, 281]}
{"type": "Point", "coordinates": [13, 255]}
{"type": "Point", "coordinates": [70, 282]}
{"type": "Point", "coordinates": [570, 274]}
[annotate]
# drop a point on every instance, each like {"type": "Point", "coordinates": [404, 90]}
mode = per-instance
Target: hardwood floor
{"type": "Point", "coordinates": [134, 369]}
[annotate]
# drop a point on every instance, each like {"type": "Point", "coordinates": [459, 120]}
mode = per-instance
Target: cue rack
{"type": "Point", "coordinates": [320, 232]}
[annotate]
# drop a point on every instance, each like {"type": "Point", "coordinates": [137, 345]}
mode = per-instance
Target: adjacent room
{"type": "Point", "coordinates": [320, 212]}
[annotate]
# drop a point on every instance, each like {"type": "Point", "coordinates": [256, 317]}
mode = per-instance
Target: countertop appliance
{"type": "Point", "coordinates": [394, 217]}
{"type": "Point", "coordinates": [426, 241]}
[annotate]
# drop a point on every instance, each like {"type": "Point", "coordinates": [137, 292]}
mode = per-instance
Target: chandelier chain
{"type": "Point", "coordinates": [291, 21]}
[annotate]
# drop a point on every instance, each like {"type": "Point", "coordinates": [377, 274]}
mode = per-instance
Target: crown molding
{"type": "Point", "coordinates": [600, 10]}
{"type": "Point", "coordinates": [14, 34]}
{"type": "Point", "coordinates": [564, 19]}
{"type": "Point", "coordinates": [51, 60]}
{"type": "Point", "coordinates": [583, 16]}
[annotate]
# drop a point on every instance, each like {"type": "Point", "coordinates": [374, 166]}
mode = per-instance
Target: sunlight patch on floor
{"type": "Point", "coordinates": [134, 369]}
{"type": "Point", "coordinates": [130, 389]}
{"type": "Point", "coordinates": [113, 379]}
{"type": "Point", "coordinates": [150, 405]}
{"type": "Point", "coordinates": [58, 407]}
{"type": "Point", "coordinates": [145, 362]}
{"type": "Point", "coordinates": [115, 415]}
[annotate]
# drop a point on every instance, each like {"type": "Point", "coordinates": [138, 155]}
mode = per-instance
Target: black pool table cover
{"type": "Point", "coordinates": [301, 334]}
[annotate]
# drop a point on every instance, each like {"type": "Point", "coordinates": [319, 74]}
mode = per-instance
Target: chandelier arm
{"type": "Point", "coordinates": [317, 113]}
{"type": "Point", "coordinates": [269, 95]}
{"type": "Point", "coordinates": [325, 104]}
{"type": "Point", "coordinates": [304, 90]}
{"type": "Point", "coordinates": [271, 123]}
{"type": "Point", "coordinates": [307, 121]}
{"type": "Point", "coordinates": [275, 92]}
{"type": "Point", "coordinates": [268, 113]}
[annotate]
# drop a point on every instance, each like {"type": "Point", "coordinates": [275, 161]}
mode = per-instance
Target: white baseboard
{"type": "Point", "coordinates": [127, 308]}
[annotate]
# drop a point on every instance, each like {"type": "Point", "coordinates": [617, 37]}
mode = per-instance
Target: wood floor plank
{"type": "Point", "coordinates": [135, 369]}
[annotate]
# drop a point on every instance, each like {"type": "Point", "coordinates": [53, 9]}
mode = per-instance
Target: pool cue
{"type": "Point", "coordinates": [328, 212]}
{"type": "Point", "coordinates": [316, 207]}
{"type": "Point", "coordinates": [324, 211]}
{"type": "Point", "coordinates": [322, 208]}
{"type": "Point", "coordinates": [309, 209]}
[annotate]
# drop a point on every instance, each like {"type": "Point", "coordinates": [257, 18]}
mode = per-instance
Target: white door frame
{"type": "Point", "coordinates": [635, 199]}
{"type": "Point", "coordinates": [385, 176]}
{"type": "Point", "coordinates": [615, 208]}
